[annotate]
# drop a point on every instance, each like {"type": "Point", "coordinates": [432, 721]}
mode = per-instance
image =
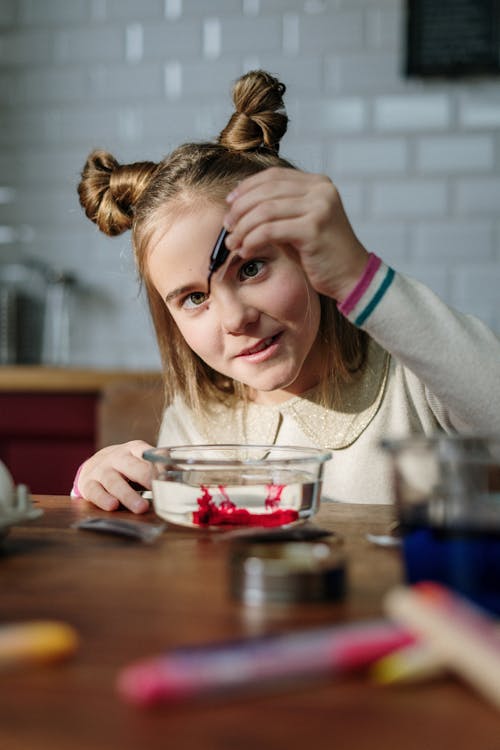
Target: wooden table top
{"type": "Point", "coordinates": [129, 601]}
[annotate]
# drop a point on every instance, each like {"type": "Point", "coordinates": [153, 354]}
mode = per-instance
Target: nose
{"type": "Point", "coordinates": [235, 314]}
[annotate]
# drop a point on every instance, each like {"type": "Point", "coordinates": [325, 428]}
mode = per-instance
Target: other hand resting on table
{"type": "Point", "coordinates": [105, 478]}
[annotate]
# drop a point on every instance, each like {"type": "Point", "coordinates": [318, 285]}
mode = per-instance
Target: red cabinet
{"type": "Point", "coordinates": [44, 437]}
{"type": "Point", "coordinates": [52, 419]}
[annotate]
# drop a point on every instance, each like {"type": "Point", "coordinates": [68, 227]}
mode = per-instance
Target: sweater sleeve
{"type": "Point", "coordinates": [456, 356]}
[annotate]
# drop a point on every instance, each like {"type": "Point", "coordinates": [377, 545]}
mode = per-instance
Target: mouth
{"type": "Point", "coordinates": [260, 346]}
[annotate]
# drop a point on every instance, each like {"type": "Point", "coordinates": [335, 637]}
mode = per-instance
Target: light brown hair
{"type": "Point", "coordinates": [118, 197]}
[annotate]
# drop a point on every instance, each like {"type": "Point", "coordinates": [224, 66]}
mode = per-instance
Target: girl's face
{"type": "Point", "coordinates": [260, 322]}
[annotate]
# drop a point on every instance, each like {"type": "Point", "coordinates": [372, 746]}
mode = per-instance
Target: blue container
{"type": "Point", "coordinates": [447, 502]}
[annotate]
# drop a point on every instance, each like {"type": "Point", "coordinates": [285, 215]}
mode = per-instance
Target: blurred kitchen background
{"type": "Point", "coordinates": [417, 160]}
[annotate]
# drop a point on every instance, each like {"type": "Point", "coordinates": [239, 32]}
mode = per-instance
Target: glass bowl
{"type": "Point", "coordinates": [227, 486]}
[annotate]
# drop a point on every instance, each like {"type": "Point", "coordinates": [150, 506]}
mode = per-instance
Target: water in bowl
{"type": "Point", "coordinates": [193, 498]}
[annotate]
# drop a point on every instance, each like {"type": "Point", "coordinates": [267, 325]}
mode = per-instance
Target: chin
{"type": "Point", "coordinates": [268, 385]}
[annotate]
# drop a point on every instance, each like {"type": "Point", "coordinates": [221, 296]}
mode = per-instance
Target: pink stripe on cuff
{"type": "Point", "coordinates": [75, 492]}
{"type": "Point", "coordinates": [353, 298]}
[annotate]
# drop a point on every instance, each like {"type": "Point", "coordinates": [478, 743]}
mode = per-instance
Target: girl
{"type": "Point", "coordinates": [303, 337]}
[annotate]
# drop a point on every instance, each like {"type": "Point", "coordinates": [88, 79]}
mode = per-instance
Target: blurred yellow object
{"type": "Point", "coordinates": [408, 664]}
{"type": "Point", "coordinates": [36, 642]}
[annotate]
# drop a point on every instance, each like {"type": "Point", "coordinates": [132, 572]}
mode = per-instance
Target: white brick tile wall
{"type": "Point", "coordinates": [480, 109]}
{"type": "Point", "coordinates": [209, 77]}
{"type": "Point", "coordinates": [166, 40]}
{"type": "Point", "coordinates": [251, 7]}
{"type": "Point", "coordinates": [417, 162]}
{"type": "Point", "coordinates": [26, 128]}
{"type": "Point", "coordinates": [89, 45]}
{"type": "Point", "coordinates": [54, 206]}
{"type": "Point", "coordinates": [473, 286]}
{"type": "Point", "coordinates": [453, 240]}
{"type": "Point", "coordinates": [478, 195]}
{"type": "Point", "coordinates": [98, 10]}
{"type": "Point", "coordinates": [339, 30]}
{"type": "Point", "coordinates": [173, 9]}
{"type": "Point", "coordinates": [496, 232]}
{"type": "Point", "coordinates": [116, 81]}
{"type": "Point", "coordinates": [384, 27]}
{"type": "Point", "coordinates": [302, 74]}
{"type": "Point", "coordinates": [48, 85]}
{"type": "Point", "coordinates": [327, 115]}
{"type": "Point", "coordinates": [368, 156]}
{"type": "Point", "coordinates": [44, 168]}
{"type": "Point", "coordinates": [53, 12]}
{"type": "Point", "coordinates": [30, 47]}
{"type": "Point", "coordinates": [291, 34]}
{"type": "Point", "coordinates": [80, 125]}
{"type": "Point", "coordinates": [131, 10]}
{"type": "Point", "coordinates": [173, 79]}
{"type": "Point", "coordinates": [204, 8]}
{"type": "Point", "coordinates": [364, 72]}
{"type": "Point", "coordinates": [246, 35]}
{"type": "Point", "coordinates": [449, 154]}
{"type": "Point", "coordinates": [353, 195]}
{"type": "Point", "coordinates": [409, 198]}
{"type": "Point", "coordinates": [7, 12]}
{"type": "Point", "coordinates": [212, 38]}
{"type": "Point", "coordinates": [134, 42]}
{"type": "Point", "coordinates": [305, 154]}
{"type": "Point", "coordinates": [387, 240]}
{"type": "Point", "coordinates": [412, 112]}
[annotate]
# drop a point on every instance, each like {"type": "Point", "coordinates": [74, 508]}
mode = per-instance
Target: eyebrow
{"type": "Point", "coordinates": [178, 291]}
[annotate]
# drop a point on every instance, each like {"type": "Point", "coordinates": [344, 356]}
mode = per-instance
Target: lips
{"type": "Point", "coordinates": [260, 346]}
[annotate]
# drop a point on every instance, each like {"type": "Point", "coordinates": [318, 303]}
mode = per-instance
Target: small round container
{"type": "Point", "coordinates": [228, 486]}
{"type": "Point", "coordinates": [287, 572]}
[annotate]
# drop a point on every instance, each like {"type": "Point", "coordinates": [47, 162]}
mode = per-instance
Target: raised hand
{"type": "Point", "coordinates": [302, 211]}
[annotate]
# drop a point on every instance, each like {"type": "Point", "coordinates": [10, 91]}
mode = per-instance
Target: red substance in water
{"type": "Point", "coordinates": [227, 514]}
{"type": "Point", "coordinates": [272, 501]}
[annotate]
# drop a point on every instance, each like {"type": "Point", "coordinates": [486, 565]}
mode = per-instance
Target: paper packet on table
{"type": "Point", "coordinates": [140, 530]}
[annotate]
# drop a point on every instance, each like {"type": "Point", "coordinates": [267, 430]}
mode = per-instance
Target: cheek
{"type": "Point", "coordinates": [298, 302]}
{"type": "Point", "coordinates": [198, 335]}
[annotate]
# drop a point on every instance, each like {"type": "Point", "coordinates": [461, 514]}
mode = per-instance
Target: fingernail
{"type": "Point", "coordinates": [229, 241]}
{"type": "Point", "coordinates": [231, 196]}
{"type": "Point", "coordinates": [140, 506]}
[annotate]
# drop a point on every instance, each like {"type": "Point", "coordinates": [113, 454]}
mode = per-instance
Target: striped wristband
{"type": "Point", "coordinates": [368, 292]}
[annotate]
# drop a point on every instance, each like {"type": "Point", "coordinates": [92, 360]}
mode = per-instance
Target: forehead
{"type": "Point", "coordinates": [181, 244]}
{"type": "Point", "coordinates": [192, 218]}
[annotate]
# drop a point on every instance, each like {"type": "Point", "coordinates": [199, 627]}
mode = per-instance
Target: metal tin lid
{"type": "Point", "coordinates": [287, 572]}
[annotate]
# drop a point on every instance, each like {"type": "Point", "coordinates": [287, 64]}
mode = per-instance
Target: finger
{"type": "Point", "coordinates": [284, 189]}
{"type": "Point", "coordinates": [134, 469]}
{"type": "Point", "coordinates": [126, 459]}
{"type": "Point", "coordinates": [292, 232]}
{"type": "Point", "coordinates": [263, 216]}
{"type": "Point", "coordinates": [264, 177]}
{"type": "Point", "coordinates": [96, 494]}
{"type": "Point", "coordinates": [113, 491]}
{"type": "Point", "coordinates": [137, 447]}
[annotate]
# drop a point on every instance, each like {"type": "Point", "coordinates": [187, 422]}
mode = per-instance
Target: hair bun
{"type": "Point", "coordinates": [260, 119]}
{"type": "Point", "coordinates": [109, 191]}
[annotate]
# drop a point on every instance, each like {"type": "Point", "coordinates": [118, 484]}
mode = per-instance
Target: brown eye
{"type": "Point", "coordinates": [195, 299]}
{"type": "Point", "coordinates": [251, 269]}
